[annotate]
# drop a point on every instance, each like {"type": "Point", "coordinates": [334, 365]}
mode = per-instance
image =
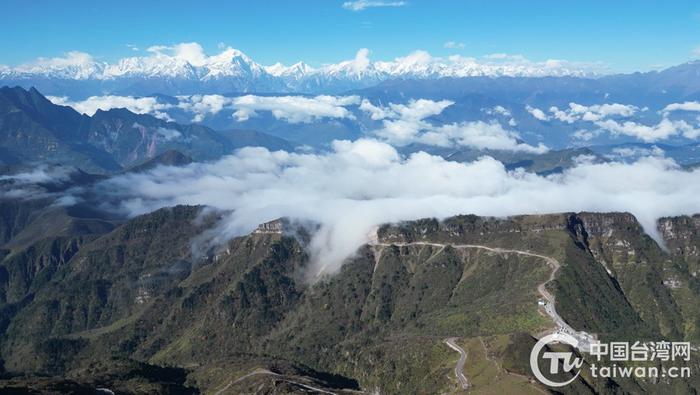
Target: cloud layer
{"type": "Point", "coordinates": [612, 119]}
{"type": "Point", "coordinates": [404, 124]}
{"type": "Point", "coordinates": [293, 109]}
{"type": "Point", "coordinates": [360, 184]}
{"type": "Point", "coordinates": [138, 105]}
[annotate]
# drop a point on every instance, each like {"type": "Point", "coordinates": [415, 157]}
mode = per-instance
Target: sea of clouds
{"type": "Point", "coordinates": [358, 185]}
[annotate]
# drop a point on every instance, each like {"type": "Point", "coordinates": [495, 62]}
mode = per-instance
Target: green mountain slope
{"type": "Point", "coordinates": [245, 315]}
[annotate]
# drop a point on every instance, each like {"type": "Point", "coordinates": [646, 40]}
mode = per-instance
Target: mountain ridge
{"type": "Point", "coordinates": [34, 129]}
{"type": "Point", "coordinates": [378, 323]}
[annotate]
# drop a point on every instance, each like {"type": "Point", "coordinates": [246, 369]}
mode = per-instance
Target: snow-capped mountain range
{"type": "Point", "coordinates": [185, 68]}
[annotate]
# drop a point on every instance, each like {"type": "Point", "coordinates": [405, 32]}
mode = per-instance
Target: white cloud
{"type": "Point", "coordinates": [40, 174]}
{"type": "Point", "coordinates": [561, 115]}
{"type": "Point", "coordinates": [357, 65]}
{"type": "Point", "coordinates": [376, 113]}
{"type": "Point", "coordinates": [579, 112]}
{"type": "Point", "coordinates": [189, 52]}
{"type": "Point", "coordinates": [453, 45]}
{"type": "Point", "coordinates": [294, 109]}
{"type": "Point", "coordinates": [586, 135]}
{"type": "Point", "coordinates": [537, 113]}
{"type": "Point", "coordinates": [27, 185]}
{"type": "Point", "coordinates": [501, 110]}
{"type": "Point", "coordinates": [692, 106]}
{"type": "Point", "coordinates": [605, 117]}
{"type": "Point", "coordinates": [168, 134]}
{"type": "Point", "coordinates": [361, 184]}
{"type": "Point", "coordinates": [203, 105]}
{"type": "Point", "coordinates": [404, 124]}
{"type": "Point", "coordinates": [663, 130]}
{"type": "Point", "coordinates": [362, 59]}
{"type": "Point", "coordinates": [138, 105]}
{"type": "Point", "coordinates": [360, 5]}
{"type": "Point", "coordinates": [479, 135]}
{"type": "Point", "coordinates": [636, 152]}
{"type": "Point", "coordinates": [419, 109]}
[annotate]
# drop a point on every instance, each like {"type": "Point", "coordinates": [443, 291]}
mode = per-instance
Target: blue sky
{"type": "Point", "coordinates": [625, 35]}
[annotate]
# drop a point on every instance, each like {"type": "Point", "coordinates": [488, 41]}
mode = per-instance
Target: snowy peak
{"type": "Point", "coordinates": [229, 63]}
{"type": "Point", "coordinates": [232, 63]}
{"type": "Point", "coordinates": [150, 67]}
{"type": "Point", "coordinates": [296, 71]}
{"type": "Point", "coordinates": [75, 65]}
{"type": "Point", "coordinates": [189, 66]}
{"type": "Point", "coordinates": [276, 69]}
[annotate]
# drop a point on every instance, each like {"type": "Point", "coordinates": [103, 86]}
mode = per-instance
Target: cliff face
{"type": "Point", "coordinates": [654, 282]}
{"type": "Point", "coordinates": [467, 228]}
{"type": "Point", "coordinates": [139, 293]}
{"type": "Point", "coordinates": [682, 237]}
{"type": "Point", "coordinates": [611, 251]}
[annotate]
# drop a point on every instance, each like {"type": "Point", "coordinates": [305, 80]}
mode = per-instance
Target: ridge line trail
{"type": "Point", "coordinates": [540, 288]}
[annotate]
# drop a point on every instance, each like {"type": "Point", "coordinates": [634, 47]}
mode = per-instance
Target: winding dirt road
{"type": "Point", "coordinates": [267, 372]}
{"type": "Point", "coordinates": [459, 368]}
{"type": "Point", "coordinates": [541, 288]}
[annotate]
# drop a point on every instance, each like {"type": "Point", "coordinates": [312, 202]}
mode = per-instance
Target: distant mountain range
{"type": "Point", "coordinates": [654, 89]}
{"type": "Point", "coordinates": [234, 71]}
{"type": "Point", "coordinates": [33, 129]}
